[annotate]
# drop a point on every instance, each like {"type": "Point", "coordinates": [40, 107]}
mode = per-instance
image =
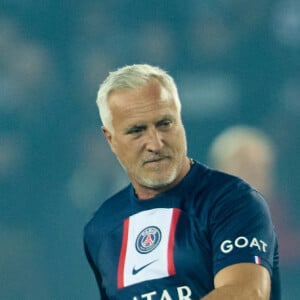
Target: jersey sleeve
{"type": "Point", "coordinates": [242, 230]}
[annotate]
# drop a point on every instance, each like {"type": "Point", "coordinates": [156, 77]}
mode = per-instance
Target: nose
{"type": "Point", "coordinates": [154, 141]}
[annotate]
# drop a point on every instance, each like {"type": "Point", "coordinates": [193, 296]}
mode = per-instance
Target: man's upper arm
{"type": "Point", "coordinates": [242, 232]}
{"type": "Point", "coordinates": [241, 281]}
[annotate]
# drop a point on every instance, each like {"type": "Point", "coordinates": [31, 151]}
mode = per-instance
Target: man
{"type": "Point", "coordinates": [179, 230]}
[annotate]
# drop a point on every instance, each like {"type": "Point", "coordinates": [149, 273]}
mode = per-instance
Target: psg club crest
{"type": "Point", "coordinates": [148, 239]}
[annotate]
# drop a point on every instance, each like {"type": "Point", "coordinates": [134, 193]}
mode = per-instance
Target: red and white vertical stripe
{"type": "Point", "coordinates": [160, 261]}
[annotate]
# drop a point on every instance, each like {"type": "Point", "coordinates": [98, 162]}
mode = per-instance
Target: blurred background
{"type": "Point", "coordinates": [235, 62]}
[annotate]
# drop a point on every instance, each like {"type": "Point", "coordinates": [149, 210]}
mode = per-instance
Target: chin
{"type": "Point", "coordinates": [157, 183]}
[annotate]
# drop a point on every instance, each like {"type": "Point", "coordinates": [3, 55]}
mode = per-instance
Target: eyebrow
{"type": "Point", "coordinates": [166, 117]}
{"type": "Point", "coordinates": [134, 128]}
{"type": "Point", "coordinates": [137, 127]}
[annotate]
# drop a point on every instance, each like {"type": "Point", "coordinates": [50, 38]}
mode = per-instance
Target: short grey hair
{"type": "Point", "coordinates": [132, 77]}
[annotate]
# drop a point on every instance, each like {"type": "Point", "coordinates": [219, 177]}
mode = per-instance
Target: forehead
{"type": "Point", "coordinates": [152, 89]}
{"type": "Point", "coordinates": [149, 101]}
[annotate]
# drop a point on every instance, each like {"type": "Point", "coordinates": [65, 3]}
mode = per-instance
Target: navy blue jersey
{"type": "Point", "coordinates": [172, 246]}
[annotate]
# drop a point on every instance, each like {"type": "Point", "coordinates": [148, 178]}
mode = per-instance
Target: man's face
{"type": "Point", "coordinates": [149, 138]}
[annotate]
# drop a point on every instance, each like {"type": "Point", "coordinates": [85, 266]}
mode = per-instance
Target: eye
{"type": "Point", "coordinates": [135, 130]}
{"type": "Point", "coordinates": [165, 123]}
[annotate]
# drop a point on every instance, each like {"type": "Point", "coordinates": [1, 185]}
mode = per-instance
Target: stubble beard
{"type": "Point", "coordinates": [152, 183]}
{"type": "Point", "coordinates": [157, 179]}
{"type": "Point", "coordinates": [155, 184]}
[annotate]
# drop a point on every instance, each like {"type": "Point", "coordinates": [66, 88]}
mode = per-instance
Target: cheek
{"type": "Point", "coordinates": [125, 150]}
{"type": "Point", "coordinates": [179, 140]}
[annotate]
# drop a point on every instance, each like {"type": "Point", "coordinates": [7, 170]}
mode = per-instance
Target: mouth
{"type": "Point", "coordinates": [154, 160]}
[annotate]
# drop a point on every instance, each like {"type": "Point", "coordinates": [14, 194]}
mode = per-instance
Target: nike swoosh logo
{"type": "Point", "coordinates": [135, 271]}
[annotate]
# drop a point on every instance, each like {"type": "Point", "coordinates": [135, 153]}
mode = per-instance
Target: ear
{"type": "Point", "coordinates": [108, 136]}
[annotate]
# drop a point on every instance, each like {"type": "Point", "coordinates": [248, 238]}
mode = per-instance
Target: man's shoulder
{"type": "Point", "coordinates": [103, 216]}
{"type": "Point", "coordinates": [218, 190]}
{"type": "Point", "coordinates": [215, 181]}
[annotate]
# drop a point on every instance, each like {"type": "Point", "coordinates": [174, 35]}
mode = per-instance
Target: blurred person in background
{"type": "Point", "coordinates": [179, 230]}
{"type": "Point", "coordinates": [245, 152]}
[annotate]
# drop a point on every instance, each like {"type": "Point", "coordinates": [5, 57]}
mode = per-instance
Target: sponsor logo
{"type": "Point", "coordinates": [242, 242]}
{"type": "Point", "coordinates": [137, 270]}
{"type": "Point", "coordinates": [148, 239]}
{"type": "Point", "coordinates": [181, 293]}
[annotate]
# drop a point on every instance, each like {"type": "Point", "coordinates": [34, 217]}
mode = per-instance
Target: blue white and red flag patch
{"type": "Point", "coordinates": [257, 260]}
